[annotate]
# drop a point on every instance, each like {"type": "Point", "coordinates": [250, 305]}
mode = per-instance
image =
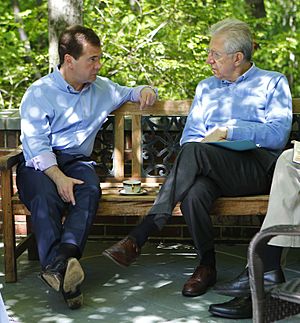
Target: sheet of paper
{"type": "Point", "coordinates": [296, 152]}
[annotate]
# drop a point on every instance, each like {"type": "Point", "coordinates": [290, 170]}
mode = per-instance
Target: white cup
{"type": "Point", "coordinates": [132, 186]}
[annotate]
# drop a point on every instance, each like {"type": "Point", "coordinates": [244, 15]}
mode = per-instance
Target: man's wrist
{"type": "Point", "coordinates": [149, 87]}
{"type": "Point", "coordinates": [224, 131]}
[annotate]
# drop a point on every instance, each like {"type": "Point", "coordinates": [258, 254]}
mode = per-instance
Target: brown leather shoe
{"type": "Point", "coordinates": [202, 278]}
{"type": "Point", "coordinates": [123, 253]}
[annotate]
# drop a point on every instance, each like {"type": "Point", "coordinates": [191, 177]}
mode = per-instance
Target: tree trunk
{"type": "Point", "coordinates": [23, 35]}
{"type": "Point", "coordinates": [61, 14]}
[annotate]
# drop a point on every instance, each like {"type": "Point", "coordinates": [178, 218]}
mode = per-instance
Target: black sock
{"type": "Point", "coordinates": [209, 258]}
{"type": "Point", "coordinates": [142, 231]}
{"type": "Point", "coordinates": [271, 257]}
{"type": "Point", "coordinates": [66, 251]}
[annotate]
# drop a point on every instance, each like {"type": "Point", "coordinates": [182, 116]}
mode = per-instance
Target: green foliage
{"type": "Point", "coordinates": [21, 61]}
{"type": "Point", "coordinates": [149, 42]}
{"type": "Point", "coordinates": [163, 42]}
{"type": "Point", "coordinates": [159, 42]}
{"type": "Point", "coordinates": [278, 39]}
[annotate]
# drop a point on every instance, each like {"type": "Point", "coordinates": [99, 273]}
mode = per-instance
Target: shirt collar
{"type": "Point", "coordinates": [64, 85]}
{"type": "Point", "coordinates": [242, 77]}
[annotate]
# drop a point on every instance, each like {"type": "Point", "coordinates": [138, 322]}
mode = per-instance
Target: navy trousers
{"type": "Point", "coordinates": [39, 193]}
{"type": "Point", "coordinates": [203, 172]}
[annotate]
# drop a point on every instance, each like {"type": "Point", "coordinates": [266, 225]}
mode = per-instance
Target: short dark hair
{"type": "Point", "coordinates": [71, 41]}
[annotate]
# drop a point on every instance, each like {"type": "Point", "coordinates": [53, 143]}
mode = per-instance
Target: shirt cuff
{"type": "Point", "coordinates": [137, 92]}
{"type": "Point", "coordinates": [229, 133]}
{"type": "Point", "coordinates": [43, 161]}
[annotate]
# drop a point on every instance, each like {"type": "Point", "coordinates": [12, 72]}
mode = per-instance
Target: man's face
{"type": "Point", "coordinates": [87, 66]}
{"type": "Point", "coordinates": [222, 63]}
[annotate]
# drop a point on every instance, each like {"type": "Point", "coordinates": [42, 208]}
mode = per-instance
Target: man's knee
{"type": "Point", "coordinates": [201, 195]}
{"type": "Point", "coordinates": [204, 188]}
{"type": "Point", "coordinates": [286, 157]}
{"type": "Point", "coordinates": [94, 189]}
{"type": "Point", "coordinates": [195, 193]}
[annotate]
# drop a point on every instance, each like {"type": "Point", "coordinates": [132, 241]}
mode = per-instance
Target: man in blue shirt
{"type": "Point", "coordinates": [239, 102]}
{"type": "Point", "coordinates": [60, 116]}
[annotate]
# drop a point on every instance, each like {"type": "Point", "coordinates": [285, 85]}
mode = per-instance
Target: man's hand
{"type": "Point", "coordinates": [217, 134]}
{"type": "Point", "coordinates": [64, 184]}
{"type": "Point", "coordinates": [147, 97]}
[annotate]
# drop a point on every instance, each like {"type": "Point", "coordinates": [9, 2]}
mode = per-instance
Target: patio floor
{"type": "Point", "coordinates": [147, 292]}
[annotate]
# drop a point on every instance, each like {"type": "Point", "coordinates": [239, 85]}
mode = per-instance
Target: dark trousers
{"type": "Point", "coordinates": [202, 173]}
{"type": "Point", "coordinates": [39, 193]}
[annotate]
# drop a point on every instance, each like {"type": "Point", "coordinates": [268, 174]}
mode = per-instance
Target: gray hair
{"type": "Point", "coordinates": [238, 37]}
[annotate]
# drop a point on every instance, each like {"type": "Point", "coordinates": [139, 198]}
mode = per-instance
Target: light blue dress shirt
{"type": "Point", "coordinates": [54, 116]}
{"type": "Point", "coordinates": [256, 107]}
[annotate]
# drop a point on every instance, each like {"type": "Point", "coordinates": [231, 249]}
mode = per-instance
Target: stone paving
{"type": "Point", "coordinates": [147, 292]}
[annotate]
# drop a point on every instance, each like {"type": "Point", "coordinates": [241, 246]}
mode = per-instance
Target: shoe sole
{"type": "Point", "coordinates": [109, 256]}
{"type": "Point", "coordinates": [75, 302]}
{"type": "Point", "coordinates": [74, 276]}
{"type": "Point", "coordinates": [230, 316]}
{"type": "Point", "coordinates": [52, 280]}
{"type": "Point", "coordinates": [194, 294]}
{"type": "Point", "coordinates": [233, 293]}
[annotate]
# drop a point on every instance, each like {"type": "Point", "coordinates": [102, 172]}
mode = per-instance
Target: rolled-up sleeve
{"type": "Point", "coordinates": [136, 94]}
{"type": "Point", "coordinates": [43, 161]}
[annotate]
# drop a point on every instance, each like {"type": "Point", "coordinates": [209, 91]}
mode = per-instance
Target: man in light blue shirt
{"type": "Point", "coordinates": [60, 116]}
{"type": "Point", "coordinates": [250, 108]}
{"type": "Point", "coordinates": [241, 102]}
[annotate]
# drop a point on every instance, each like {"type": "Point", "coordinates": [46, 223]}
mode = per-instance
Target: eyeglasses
{"type": "Point", "coordinates": [216, 55]}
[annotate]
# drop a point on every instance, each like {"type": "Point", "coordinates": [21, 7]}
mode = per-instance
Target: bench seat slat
{"type": "Point", "coordinates": [120, 205]}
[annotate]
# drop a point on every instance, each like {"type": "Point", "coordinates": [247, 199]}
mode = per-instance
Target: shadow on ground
{"type": "Point", "coordinates": [147, 292]}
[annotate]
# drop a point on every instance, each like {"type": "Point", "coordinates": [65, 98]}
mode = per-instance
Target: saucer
{"type": "Point", "coordinates": [142, 192]}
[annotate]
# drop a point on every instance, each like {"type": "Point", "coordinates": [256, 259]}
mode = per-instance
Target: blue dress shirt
{"type": "Point", "coordinates": [54, 116]}
{"type": "Point", "coordinates": [256, 107]}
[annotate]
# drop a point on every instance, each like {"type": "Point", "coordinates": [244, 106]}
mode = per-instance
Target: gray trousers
{"type": "Point", "coordinates": [284, 201]}
{"type": "Point", "coordinates": [203, 172]}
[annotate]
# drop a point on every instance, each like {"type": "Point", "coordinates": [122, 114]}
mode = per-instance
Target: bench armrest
{"type": "Point", "coordinates": [11, 159]}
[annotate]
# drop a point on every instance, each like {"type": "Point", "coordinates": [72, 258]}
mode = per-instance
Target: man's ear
{"type": "Point", "coordinates": [239, 58]}
{"type": "Point", "coordinates": [68, 60]}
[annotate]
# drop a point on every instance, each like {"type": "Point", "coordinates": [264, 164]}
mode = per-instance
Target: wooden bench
{"type": "Point", "coordinates": [112, 203]}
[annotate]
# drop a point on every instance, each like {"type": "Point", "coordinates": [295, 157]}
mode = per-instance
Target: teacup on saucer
{"type": "Point", "coordinates": [132, 186]}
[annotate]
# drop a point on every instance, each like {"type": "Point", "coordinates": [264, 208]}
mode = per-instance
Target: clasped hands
{"type": "Point", "coordinates": [217, 134]}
